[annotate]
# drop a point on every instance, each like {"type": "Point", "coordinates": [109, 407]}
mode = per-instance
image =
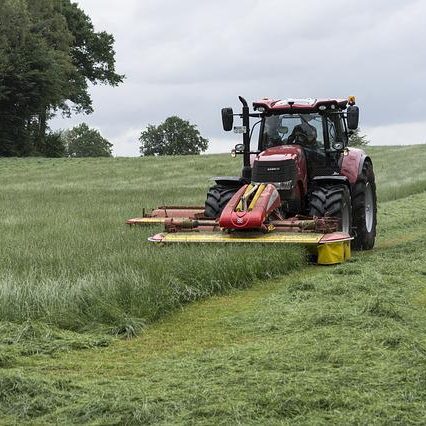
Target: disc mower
{"type": "Point", "coordinates": [302, 185]}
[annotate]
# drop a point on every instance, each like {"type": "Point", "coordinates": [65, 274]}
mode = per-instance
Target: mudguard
{"type": "Point", "coordinates": [352, 164]}
{"type": "Point", "coordinates": [235, 181]}
{"type": "Point", "coordinates": [331, 179]}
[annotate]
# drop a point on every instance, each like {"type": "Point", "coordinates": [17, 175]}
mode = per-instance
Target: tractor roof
{"type": "Point", "coordinates": [290, 106]}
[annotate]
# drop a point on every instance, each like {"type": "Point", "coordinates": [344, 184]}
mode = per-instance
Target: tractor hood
{"type": "Point", "coordinates": [280, 153]}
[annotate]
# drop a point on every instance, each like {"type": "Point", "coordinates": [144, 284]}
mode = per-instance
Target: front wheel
{"type": "Point", "coordinates": [218, 197]}
{"type": "Point", "coordinates": [332, 201]}
{"type": "Point", "coordinates": [364, 203]}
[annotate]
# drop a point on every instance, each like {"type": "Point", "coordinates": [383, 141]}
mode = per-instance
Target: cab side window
{"type": "Point", "coordinates": [336, 130]}
{"type": "Point", "coordinates": [332, 132]}
{"type": "Point", "coordinates": [342, 132]}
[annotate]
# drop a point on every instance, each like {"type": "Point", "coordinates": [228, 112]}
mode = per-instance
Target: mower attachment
{"type": "Point", "coordinates": [188, 225]}
{"type": "Point", "coordinates": [252, 215]}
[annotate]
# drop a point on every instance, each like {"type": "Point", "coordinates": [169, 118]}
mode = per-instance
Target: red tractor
{"type": "Point", "coordinates": [302, 185]}
{"type": "Point", "coordinates": [303, 152]}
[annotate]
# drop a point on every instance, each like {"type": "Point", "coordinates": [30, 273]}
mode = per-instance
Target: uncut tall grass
{"type": "Point", "coordinates": [67, 258]}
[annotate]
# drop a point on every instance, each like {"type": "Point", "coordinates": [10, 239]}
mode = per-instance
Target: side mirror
{"type": "Point", "coordinates": [239, 148]}
{"type": "Point", "coordinates": [227, 119]}
{"type": "Point", "coordinates": [353, 117]}
{"type": "Point", "coordinates": [338, 146]}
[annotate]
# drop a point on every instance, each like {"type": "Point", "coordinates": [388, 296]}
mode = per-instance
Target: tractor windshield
{"type": "Point", "coordinates": [301, 129]}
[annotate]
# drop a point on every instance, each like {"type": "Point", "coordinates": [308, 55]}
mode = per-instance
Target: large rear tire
{"type": "Point", "coordinates": [218, 197]}
{"type": "Point", "coordinates": [332, 201]}
{"type": "Point", "coordinates": [364, 209]}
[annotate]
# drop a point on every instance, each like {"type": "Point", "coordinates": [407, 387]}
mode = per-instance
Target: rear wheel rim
{"type": "Point", "coordinates": [346, 223]}
{"type": "Point", "coordinates": [369, 207]}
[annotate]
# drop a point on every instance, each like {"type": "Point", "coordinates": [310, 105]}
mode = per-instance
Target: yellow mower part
{"type": "Point", "coordinates": [216, 237]}
{"type": "Point", "coordinates": [256, 196]}
{"type": "Point", "coordinates": [147, 220]}
{"type": "Point", "coordinates": [332, 253]}
{"type": "Point", "coordinates": [324, 252]}
{"type": "Point", "coordinates": [247, 192]}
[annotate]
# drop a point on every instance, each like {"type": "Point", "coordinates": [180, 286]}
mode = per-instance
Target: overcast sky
{"type": "Point", "coordinates": [192, 57]}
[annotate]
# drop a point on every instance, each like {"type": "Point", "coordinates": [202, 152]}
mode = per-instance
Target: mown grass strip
{"type": "Point", "coordinates": [326, 345]}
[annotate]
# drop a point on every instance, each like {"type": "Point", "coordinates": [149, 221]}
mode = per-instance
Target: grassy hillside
{"type": "Point", "coordinates": [68, 260]}
{"type": "Point", "coordinates": [321, 345]}
{"type": "Point", "coordinates": [400, 170]}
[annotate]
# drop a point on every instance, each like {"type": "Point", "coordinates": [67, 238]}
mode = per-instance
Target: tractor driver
{"type": "Point", "coordinates": [304, 133]}
{"type": "Point", "coordinates": [271, 134]}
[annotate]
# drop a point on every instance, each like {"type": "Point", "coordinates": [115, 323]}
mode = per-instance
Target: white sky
{"type": "Point", "coordinates": [193, 57]}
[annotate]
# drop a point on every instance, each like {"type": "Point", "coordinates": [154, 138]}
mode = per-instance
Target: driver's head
{"type": "Point", "coordinates": [306, 118]}
{"type": "Point", "coordinates": [273, 122]}
{"type": "Point", "coordinates": [308, 131]}
{"type": "Point", "coordinates": [311, 133]}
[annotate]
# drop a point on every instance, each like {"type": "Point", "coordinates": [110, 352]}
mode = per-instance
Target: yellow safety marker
{"type": "Point", "coordinates": [351, 100]}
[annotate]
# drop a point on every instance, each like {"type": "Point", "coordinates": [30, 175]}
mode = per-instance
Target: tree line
{"type": "Point", "coordinates": [49, 54]}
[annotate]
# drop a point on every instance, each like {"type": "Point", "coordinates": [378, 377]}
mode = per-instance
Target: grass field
{"type": "Point", "coordinates": [311, 345]}
{"type": "Point", "coordinates": [69, 260]}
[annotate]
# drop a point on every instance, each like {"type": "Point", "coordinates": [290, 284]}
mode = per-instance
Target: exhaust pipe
{"type": "Point", "coordinates": [246, 172]}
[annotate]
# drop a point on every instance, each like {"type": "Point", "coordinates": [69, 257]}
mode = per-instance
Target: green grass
{"type": "Point", "coordinates": [68, 259]}
{"type": "Point", "coordinates": [339, 345]}
{"type": "Point", "coordinates": [317, 345]}
{"type": "Point", "coordinates": [400, 170]}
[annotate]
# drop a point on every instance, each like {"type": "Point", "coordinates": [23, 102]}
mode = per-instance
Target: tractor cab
{"type": "Point", "coordinates": [318, 127]}
{"type": "Point", "coordinates": [320, 136]}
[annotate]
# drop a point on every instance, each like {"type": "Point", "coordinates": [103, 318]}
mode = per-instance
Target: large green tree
{"type": "Point", "coordinates": [29, 73]}
{"type": "Point", "coordinates": [49, 53]}
{"type": "Point", "coordinates": [173, 137]}
{"type": "Point", "coordinates": [81, 141]}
